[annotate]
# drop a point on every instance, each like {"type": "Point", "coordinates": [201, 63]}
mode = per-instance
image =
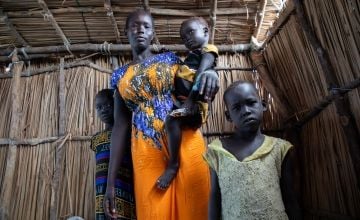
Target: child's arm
{"type": "Point", "coordinates": [207, 62]}
{"type": "Point", "coordinates": [214, 209]}
{"type": "Point", "coordinates": [286, 183]}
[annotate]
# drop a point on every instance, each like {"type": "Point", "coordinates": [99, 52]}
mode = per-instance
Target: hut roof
{"type": "Point", "coordinates": [53, 22]}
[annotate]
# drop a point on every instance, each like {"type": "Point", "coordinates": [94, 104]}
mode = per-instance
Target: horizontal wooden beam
{"type": "Point", "coordinates": [56, 68]}
{"type": "Point", "coordinates": [114, 48]}
{"type": "Point", "coordinates": [127, 10]}
{"type": "Point", "coordinates": [96, 67]}
{"type": "Point", "coordinates": [37, 141]}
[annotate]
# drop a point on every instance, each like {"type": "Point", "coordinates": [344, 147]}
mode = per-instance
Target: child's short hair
{"type": "Point", "coordinates": [108, 93]}
{"type": "Point", "coordinates": [235, 84]}
{"type": "Point", "coordinates": [200, 20]}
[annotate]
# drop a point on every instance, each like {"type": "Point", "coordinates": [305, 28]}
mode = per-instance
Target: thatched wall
{"type": "Point", "coordinates": [31, 188]}
{"type": "Point", "coordinates": [329, 186]}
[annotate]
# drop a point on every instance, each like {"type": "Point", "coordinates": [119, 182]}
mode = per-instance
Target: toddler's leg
{"type": "Point", "coordinates": [173, 131]}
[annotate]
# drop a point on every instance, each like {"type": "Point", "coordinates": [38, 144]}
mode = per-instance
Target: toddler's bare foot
{"type": "Point", "coordinates": [166, 178]}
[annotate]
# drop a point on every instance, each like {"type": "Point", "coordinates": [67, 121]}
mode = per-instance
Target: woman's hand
{"type": "Point", "coordinates": [209, 84]}
{"type": "Point", "coordinates": [109, 203]}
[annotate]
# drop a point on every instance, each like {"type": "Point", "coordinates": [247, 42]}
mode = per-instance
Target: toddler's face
{"type": "Point", "coordinates": [194, 35]}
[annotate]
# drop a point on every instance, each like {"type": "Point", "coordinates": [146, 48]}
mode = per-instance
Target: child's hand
{"type": "Point", "coordinates": [109, 203]}
{"type": "Point", "coordinates": [209, 84]}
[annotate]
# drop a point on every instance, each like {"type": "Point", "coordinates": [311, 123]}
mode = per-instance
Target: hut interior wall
{"type": "Point", "coordinates": [329, 186]}
{"type": "Point", "coordinates": [39, 100]}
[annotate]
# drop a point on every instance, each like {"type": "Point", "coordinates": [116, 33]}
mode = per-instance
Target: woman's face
{"type": "Point", "coordinates": [140, 31]}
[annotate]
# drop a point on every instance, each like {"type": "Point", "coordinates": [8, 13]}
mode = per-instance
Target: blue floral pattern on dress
{"type": "Point", "coordinates": [148, 93]}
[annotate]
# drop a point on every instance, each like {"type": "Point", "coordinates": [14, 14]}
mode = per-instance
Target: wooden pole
{"type": "Point", "coordinates": [156, 39]}
{"type": "Point", "coordinates": [115, 48]}
{"type": "Point", "coordinates": [127, 10]}
{"type": "Point", "coordinates": [8, 178]}
{"type": "Point", "coordinates": [213, 12]}
{"type": "Point", "coordinates": [259, 62]}
{"type": "Point", "coordinates": [92, 65]}
{"type": "Point", "coordinates": [263, 4]}
{"type": "Point", "coordinates": [56, 67]}
{"type": "Point", "coordinates": [49, 15]}
{"type": "Point", "coordinates": [60, 151]}
{"type": "Point", "coordinates": [349, 126]}
{"type": "Point", "coordinates": [110, 14]}
{"type": "Point", "coordinates": [37, 141]}
{"type": "Point", "coordinates": [4, 18]}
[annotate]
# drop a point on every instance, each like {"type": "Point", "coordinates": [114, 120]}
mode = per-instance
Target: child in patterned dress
{"type": "Point", "coordinates": [100, 144]}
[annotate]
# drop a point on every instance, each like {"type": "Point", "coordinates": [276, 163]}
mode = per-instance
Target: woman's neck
{"type": "Point", "coordinates": [140, 55]}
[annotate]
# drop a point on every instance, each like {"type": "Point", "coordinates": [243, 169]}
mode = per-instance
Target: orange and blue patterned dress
{"type": "Point", "coordinates": [147, 88]}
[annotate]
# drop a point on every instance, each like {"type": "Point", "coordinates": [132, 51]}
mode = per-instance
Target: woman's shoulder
{"type": "Point", "coordinates": [118, 74]}
{"type": "Point", "coordinates": [167, 57]}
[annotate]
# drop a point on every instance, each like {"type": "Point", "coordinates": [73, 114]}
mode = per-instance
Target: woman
{"type": "Point", "coordinates": [142, 101]}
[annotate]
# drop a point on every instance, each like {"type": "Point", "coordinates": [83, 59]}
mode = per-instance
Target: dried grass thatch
{"type": "Point", "coordinates": [330, 189]}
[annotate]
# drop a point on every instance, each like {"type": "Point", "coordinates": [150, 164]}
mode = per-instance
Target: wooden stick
{"type": "Point", "coordinates": [126, 10]}
{"type": "Point", "coordinates": [53, 22]}
{"type": "Point", "coordinates": [110, 14]}
{"type": "Point", "coordinates": [55, 192]}
{"type": "Point", "coordinates": [213, 12]}
{"type": "Point", "coordinates": [116, 48]}
{"type": "Point", "coordinates": [283, 19]}
{"type": "Point", "coordinates": [11, 157]}
{"type": "Point", "coordinates": [351, 130]}
{"type": "Point", "coordinates": [147, 7]}
{"type": "Point", "coordinates": [263, 4]}
{"type": "Point", "coordinates": [4, 18]}
{"type": "Point", "coordinates": [97, 67]}
{"type": "Point", "coordinates": [335, 94]}
{"type": "Point", "coordinates": [260, 64]}
{"type": "Point", "coordinates": [56, 67]}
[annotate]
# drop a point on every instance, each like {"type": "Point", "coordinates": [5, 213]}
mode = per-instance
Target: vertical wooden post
{"type": "Point", "coordinates": [7, 188]}
{"type": "Point", "coordinates": [258, 61]}
{"type": "Point", "coordinates": [60, 151]}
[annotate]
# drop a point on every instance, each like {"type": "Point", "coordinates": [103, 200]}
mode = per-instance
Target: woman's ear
{"type": "Point", "coordinates": [264, 105]}
{"type": "Point", "coordinates": [227, 116]}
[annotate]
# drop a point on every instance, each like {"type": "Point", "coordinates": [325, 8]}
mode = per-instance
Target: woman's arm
{"type": "Point", "coordinates": [120, 140]}
{"type": "Point", "coordinates": [214, 210]}
{"type": "Point", "coordinates": [287, 188]}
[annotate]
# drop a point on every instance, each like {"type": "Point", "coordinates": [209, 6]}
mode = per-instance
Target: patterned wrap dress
{"type": "Point", "coordinates": [250, 189]}
{"type": "Point", "coordinates": [124, 190]}
{"type": "Point", "coordinates": [147, 88]}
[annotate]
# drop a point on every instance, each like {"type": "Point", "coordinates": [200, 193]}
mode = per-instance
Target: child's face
{"type": "Point", "coordinates": [194, 35]}
{"type": "Point", "coordinates": [104, 109]}
{"type": "Point", "coordinates": [245, 107]}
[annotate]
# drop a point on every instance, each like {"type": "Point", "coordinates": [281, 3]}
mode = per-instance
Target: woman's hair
{"type": "Point", "coordinates": [136, 12]}
{"type": "Point", "coordinates": [108, 93]}
{"type": "Point", "coordinates": [200, 20]}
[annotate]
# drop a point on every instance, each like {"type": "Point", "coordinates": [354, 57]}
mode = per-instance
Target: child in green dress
{"type": "Point", "coordinates": [250, 172]}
